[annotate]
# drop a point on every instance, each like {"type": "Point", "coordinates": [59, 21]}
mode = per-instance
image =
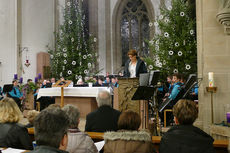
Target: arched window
{"type": "Point", "coordinates": [134, 26]}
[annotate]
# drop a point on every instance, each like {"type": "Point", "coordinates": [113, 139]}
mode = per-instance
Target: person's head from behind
{"type": "Point", "coordinates": [31, 116]}
{"type": "Point", "coordinates": [129, 120]}
{"type": "Point", "coordinates": [51, 127]}
{"type": "Point", "coordinates": [104, 98]}
{"type": "Point", "coordinates": [132, 55]}
{"type": "Point", "coordinates": [9, 111]}
{"type": "Point", "coordinates": [74, 114]}
{"type": "Point", "coordinates": [185, 112]}
{"type": "Point", "coordinates": [29, 80]}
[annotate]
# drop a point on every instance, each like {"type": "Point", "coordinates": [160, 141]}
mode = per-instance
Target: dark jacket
{"type": "Point", "coordinates": [14, 135]}
{"type": "Point", "coordinates": [128, 142]}
{"type": "Point", "coordinates": [47, 149]}
{"type": "Point", "coordinates": [105, 118]}
{"type": "Point", "coordinates": [140, 68]}
{"type": "Point", "coordinates": [186, 139]}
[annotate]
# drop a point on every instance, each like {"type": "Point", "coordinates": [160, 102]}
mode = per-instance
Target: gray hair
{"type": "Point", "coordinates": [73, 113]}
{"type": "Point", "coordinates": [50, 127]}
{"type": "Point", "coordinates": [104, 98]}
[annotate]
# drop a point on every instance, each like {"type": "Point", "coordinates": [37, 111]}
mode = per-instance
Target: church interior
{"type": "Point", "coordinates": [79, 40]}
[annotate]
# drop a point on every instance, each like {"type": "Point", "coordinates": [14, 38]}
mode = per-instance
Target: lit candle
{"type": "Point", "coordinates": [15, 76]}
{"type": "Point", "coordinates": [210, 79]}
{"type": "Point", "coordinates": [228, 117]}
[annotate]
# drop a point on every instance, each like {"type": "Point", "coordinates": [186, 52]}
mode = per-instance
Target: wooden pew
{"type": "Point", "coordinates": [218, 144]}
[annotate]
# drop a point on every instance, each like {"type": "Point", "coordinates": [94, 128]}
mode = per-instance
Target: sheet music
{"type": "Point", "coordinates": [99, 145]}
{"type": "Point", "coordinates": [12, 150]}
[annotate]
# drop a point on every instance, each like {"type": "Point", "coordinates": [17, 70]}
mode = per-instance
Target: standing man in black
{"type": "Point", "coordinates": [105, 118]}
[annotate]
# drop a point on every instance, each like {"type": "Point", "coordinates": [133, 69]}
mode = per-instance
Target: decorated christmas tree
{"type": "Point", "coordinates": [74, 56]}
{"type": "Point", "coordinates": [173, 48]}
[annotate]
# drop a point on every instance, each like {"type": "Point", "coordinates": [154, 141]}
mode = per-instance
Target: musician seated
{"type": "Point", "coordinates": [16, 94]}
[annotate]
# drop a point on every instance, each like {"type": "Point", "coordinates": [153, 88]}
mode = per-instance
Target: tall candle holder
{"type": "Point", "coordinates": [211, 90]}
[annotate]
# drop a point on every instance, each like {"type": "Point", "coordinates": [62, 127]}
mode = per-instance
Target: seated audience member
{"type": "Point", "coordinates": [78, 142]}
{"type": "Point", "coordinates": [16, 94]}
{"type": "Point", "coordinates": [128, 139]}
{"type": "Point", "coordinates": [51, 126]}
{"type": "Point", "coordinates": [1, 93]}
{"type": "Point", "coordinates": [184, 137]}
{"type": "Point", "coordinates": [105, 117]}
{"type": "Point", "coordinates": [114, 82]}
{"type": "Point", "coordinates": [31, 116]}
{"type": "Point", "coordinates": [53, 81]}
{"type": "Point", "coordinates": [107, 79]}
{"type": "Point", "coordinates": [12, 133]}
{"type": "Point", "coordinates": [80, 82]}
{"type": "Point", "coordinates": [176, 86]}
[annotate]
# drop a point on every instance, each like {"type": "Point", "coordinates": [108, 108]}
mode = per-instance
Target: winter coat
{"type": "Point", "coordinates": [128, 142]}
{"type": "Point", "coordinates": [80, 142]}
{"type": "Point", "coordinates": [186, 139]}
{"type": "Point", "coordinates": [103, 119]}
{"type": "Point", "coordinates": [14, 135]}
{"type": "Point", "coordinates": [47, 149]}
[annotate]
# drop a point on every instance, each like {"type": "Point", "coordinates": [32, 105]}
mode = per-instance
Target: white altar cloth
{"type": "Point", "coordinates": [72, 91]}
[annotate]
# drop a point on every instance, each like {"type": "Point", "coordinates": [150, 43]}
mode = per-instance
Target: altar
{"type": "Point", "coordinates": [82, 97]}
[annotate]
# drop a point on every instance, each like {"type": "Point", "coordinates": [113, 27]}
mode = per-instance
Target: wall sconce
{"type": "Point", "coordinates": [223, 16]}
{"type": "Point", "coordinates": [22, 49]}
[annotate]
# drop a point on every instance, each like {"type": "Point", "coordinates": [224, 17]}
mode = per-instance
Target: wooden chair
{"type": "Point", "coordinates": [165, 112]}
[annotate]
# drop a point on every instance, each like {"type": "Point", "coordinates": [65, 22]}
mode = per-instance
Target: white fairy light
{"type": "Point", "coordinates": [69, 72]}
{"type": "Point", "coordinates": [166, 34]}
{"type": "Point", "coordinates": [89, 65]}
{"type": "Point", "coordinates": [191, 32]}
{"type": "Point", "coordinates": [150, 24]}
{"type": "Point", "coordinates": [175, 71]}
{"type": "Point", "coordinates": [70, 22]}
{"type": "Point", "coordinates": [73, 62]}
{"type": "Point", "coordinates": [65, 55]}
{"type": "Point", "coordinates": [180, 53]}
{"type": "Point", "coordinates": [181, 13]}
{"type": "Point", "coordinates": [84, 56]}
{"type": "Point", "coordinates": [176, 44]}
{"type": "Point", "coordinates": [161, 17]}
{"type": "Point", "coordinates": [68, 3]}
{"type": "Point", "coordinates": [64, 49]}
{"type": "Point", "coordinates": [170, 52]}
{"type": "Point", "coordinates": [187, 67]}
{"type": "Point", "coordinates": [65, 61]}
{"type": "Point", "coordinates": [150, 67]}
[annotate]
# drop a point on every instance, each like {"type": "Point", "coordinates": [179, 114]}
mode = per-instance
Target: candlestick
{"type": "Point", "coordinates": [15, 76]}
{"type": "Point", "coordinates": [210, 79]}
{"type": "Point", "coordinates": [228, 117]}
{"type": "Point", "coordinates": [39, 76]}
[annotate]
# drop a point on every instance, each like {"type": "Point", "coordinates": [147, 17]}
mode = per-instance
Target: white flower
{"type": "Point", "coordinates": [175, 71]}
{"type": "Point", "coordinates": [157, 48]}
{"type": "Point", "coordinates": [166, 20]}
{"type": "Point", "coordinates": [191, 32]}
{"type": "Point", "coordinates": [180, 53]}
{"type": "Point", "coordinates": [176, 44]}
{"type": "Point", "coordinates": [181, 13]}
{"type": "Point", "coordinates": [69, 72]}
{"type": "Point", "coordinates": [73, 62]}
{"type": "Point", "coordinates": [79, 77]}
{"type": "Point", "coordinates": [68, 3]}
{"type": "Point", "coordinates": [150, 67]}
{"type": "Point", "coordinates": [95, 39]}
{"type": "Point", "coordinates": [51, 56]}
{"type": "Point", "coordinates": [65, 61]}
{"type": "Point", "coordinates": [170, 52]}
{"type": "Point", "coordinates": [89, 65]}
{"type": "Point", "coordinates": [170, 8]}
{"type": "Point", "coordinates": [187, 67]}
{"type": "Point", "coordinates": [65, 55]}
{"type": "Point", "coordinates": [161, 17]}
{"type": "Point", "coordinates": [151, 42]}
{"type": "Point", "coordinates": [84, 56]}
{"type": "Point", "coordinates": [150, 24]}
{"type": "Point", "coordinates": [64, 49]}
{"type": "Point", "coordinates": [166, 34]}
{"type": "Point", "coordinates": [156, 24]}
{"type": "Point", "coordinates": [70, 22]}
{"type": "Point", "coordinates": [157, 41]}
{"type": "Point", "coordinates": [72, 39]}
{"type": "Point", "coordinates": [86, 71]}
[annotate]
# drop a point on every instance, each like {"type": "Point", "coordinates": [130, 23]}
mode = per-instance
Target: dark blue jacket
{"type": "Point", "coordinates": [140, 68]}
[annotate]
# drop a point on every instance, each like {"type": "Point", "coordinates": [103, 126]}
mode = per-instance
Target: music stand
{"type": "Point", "coordinates": [143, 93]}
{"type": "Point", "coordinates": [7, 88]}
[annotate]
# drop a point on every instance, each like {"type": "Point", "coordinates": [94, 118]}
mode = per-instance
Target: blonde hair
{"type": "Point", "coordinates": [31, 115]}
{"type": "Point", "coordinates": [9, 111]}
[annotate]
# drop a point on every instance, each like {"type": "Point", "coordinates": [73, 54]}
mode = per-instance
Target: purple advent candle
{"type": "Point", "coordinates": [15, 76]}
{"type": "Point", "coordinates": [36, 80]}
{"type": "Point", "coordinates": [228, 117]}
{"type": "Point", "coordinates": [20, 80]}
{"type": "Point", "coordinates": [39, 76]}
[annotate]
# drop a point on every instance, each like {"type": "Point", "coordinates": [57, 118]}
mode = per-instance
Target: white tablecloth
{"type": "Point", "coordinates": [72, 91]}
